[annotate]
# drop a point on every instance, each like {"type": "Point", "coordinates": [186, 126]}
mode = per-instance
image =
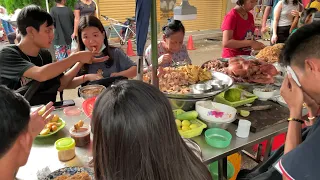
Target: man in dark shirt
{"type": "Point", "coordinates": [63, 20]}
{"type": "Point", "coordinates": [28, 61]}
{"type": "Point", "coordinates": [301, 52]}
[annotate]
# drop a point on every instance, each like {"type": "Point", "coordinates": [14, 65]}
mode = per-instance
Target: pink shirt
{"type": "Point", "coordinates": [242, 30]}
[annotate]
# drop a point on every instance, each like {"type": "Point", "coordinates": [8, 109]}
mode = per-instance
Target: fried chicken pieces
{"type": "Point", "coordinates": [253, 71]}
{"type": "Point", "coordinates": [270, 54]}
{"type": "Point", "coordinates": [178, 79]}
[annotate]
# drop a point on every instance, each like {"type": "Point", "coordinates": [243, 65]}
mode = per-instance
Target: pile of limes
{"type": "Point", "coordinates": [185, 125]}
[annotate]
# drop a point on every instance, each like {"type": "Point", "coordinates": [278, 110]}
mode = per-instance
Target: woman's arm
{"type": "Point", "coordinates": [129, 73]}
{"type": "Point", "coordinates": [69, 76]}
{"type": "Point", "coordinates": [76, 22]}
{"type": "Point", "coordinates": [229, 42]}
{"type": "Point", "coordinates": [276, 15]}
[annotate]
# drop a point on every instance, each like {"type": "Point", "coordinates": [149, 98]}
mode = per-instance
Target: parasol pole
{"type": "Point", "coordinates": [154, 44]}
{"type": "Point", "coordinates": [47, 5]}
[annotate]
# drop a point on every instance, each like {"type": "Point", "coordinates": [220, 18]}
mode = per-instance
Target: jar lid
{"type": "Point", "coordinates": [65, 143]}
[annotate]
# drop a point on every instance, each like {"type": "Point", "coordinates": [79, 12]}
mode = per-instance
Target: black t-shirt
{"type": "Point", "coordinates": [14, 63]}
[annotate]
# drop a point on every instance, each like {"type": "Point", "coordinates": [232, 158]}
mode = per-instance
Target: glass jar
{"type": "Point", "coordinates": [65, 148]}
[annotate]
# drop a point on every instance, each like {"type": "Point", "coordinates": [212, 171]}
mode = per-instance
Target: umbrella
{"type": "Point", "coordinates": [143, 11]}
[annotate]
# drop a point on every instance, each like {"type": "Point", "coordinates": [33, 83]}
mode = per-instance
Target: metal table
{"type": "Point", "coordinates": [43, 153]}
{"type": "Point", "coordinates": [211, 154]}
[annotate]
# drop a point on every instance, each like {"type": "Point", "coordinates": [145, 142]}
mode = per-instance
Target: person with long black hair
{"type": "Point", "coordinates": [283, 19]}
{"type": "Point", "coordinates": [92, 37]}
{"type": "Point", "coordinates": [135, 137]}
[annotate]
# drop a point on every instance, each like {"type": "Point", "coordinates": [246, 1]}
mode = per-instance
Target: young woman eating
{"type": "Point", "coordinates": [238, 30]}
{"type": "Point", "coordinates": [171, 49]}
{"type": "Point", "coordinates": [92, 37]}
{"type": "Point", "coordinates": [135, 137]}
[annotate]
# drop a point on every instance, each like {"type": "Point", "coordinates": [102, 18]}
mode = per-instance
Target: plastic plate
{"type": "Point", "coordinates": [63, 124]}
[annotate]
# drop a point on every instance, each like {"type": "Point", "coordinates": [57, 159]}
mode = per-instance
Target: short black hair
{"type": "Point", "coordinates": [14, 117]}
{"type": "Point", "coordinates": [240, 2]}
{"type": "Point", "coordinates": [306, 13]}
{"type": "Point", "coordinates": [173, 27]}
{"type": "Point", "coordinates": [302, 44]}
{"type": "Point", "coordinates": [33, 16]}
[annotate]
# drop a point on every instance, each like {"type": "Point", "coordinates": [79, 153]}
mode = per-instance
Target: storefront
{"type": "Point", "coordinates": [210, 12]}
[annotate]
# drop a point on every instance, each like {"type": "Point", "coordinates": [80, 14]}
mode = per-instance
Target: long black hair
{"type": "Point", "coordinates": [294, 2]}
{"type": "Point", "coordinates": [306, 13]}
{"type": "Point", "coordinates": [92, 21]}
{"type": "Point", "coordinates": [135, 137]}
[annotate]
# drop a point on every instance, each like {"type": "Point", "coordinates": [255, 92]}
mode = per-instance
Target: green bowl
{"type": "Point", "coordinates": [213, 168]}
{"type": "Point", "coordinates": [218, 138]}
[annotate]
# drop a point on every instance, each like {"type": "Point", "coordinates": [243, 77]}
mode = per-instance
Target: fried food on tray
{"type": "Point", "coordinates": [270, 54]}
{"type": "Point", "coordinates": [178, 79]}
{"type": "Point", "coordinates": [77, 176]}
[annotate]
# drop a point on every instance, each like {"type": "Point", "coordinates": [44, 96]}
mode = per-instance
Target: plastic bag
{"type": "Point", "coordinates": [74, 46]}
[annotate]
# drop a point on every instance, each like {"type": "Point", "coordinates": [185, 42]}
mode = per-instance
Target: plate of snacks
{"type": "Point", "coordinates": [52, 127]}
{"type": "Point", "coordinates": [69, 173]}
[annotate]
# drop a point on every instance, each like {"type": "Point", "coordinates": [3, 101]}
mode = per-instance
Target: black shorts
{"type": "Point", "coordinates": [283, 33]}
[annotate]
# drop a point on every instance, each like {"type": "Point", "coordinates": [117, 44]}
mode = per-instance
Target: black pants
{"type": "Point", "coordinates": [283, 32]}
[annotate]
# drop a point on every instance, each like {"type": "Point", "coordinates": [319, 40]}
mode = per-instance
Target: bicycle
{"type": "Point", "coordinates": [128, 29]}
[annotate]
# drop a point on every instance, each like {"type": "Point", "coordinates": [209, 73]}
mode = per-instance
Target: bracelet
{"type": "Point", "coordinates": [83, 78]}
{"type": "Point", "coordinates": [297, 120]}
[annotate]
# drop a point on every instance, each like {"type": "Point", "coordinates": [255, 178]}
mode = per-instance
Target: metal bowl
{"type": "Point", "coordinates": [90, 91]}
{"type": "Point", "coordinates": [211, 124]}
{"type": "Point", "coordinates": [225, 80]}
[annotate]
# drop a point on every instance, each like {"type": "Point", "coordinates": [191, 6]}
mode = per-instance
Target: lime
{"type": "Point", "coordinates": [232, 95]}
{"type": "Point", "coordinates": [179, 127]}
{"type": "Point", "coordinates": [193, 126]}
{"type": "Point", "coordinates": [244, 113]}
{"type": "Point", "coordinates": [178, 122]}
{"type": "Point", "coordinates": [185, 123]}
{"type": "Point", "coordinates": [185, 128]}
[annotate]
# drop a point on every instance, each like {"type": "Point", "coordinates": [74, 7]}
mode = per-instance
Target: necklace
{"type": "Point", "coordinates": [37, 56]}
{"type": "Point", "coordinates": [243, 14]}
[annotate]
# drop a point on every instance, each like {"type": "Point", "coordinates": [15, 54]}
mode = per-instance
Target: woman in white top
{"type": "Point", "coordinates": [283, 19]}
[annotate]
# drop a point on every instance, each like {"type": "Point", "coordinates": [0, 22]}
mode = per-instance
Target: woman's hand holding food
{"type": "Point", "coordinates": [39, 118]}
{"type": "Point", "coordinates": [257, 45]}
{"type": "Point", "coordinates": [87, 57]}
{"type": "Point", "coordinates": [93, 77]}
{"type": "Point", "coordinates": [165, 59]}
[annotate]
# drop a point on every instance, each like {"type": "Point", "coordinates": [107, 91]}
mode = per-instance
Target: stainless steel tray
{"type": "Point", "coordinates": [220, 77]}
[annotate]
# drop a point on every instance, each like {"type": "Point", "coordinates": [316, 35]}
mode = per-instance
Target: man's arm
{"type": "Point", "coordinates": [52, 70]}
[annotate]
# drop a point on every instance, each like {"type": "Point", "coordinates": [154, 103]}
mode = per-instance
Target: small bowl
{"type": "Point", "coordinates": [218, 138]}
{"type": "Point", "coordinates": [90, 91]}
{"type": "Point", "coordinates": [262, 94]}
{"type": "Point", "coordinates": [215, 115]}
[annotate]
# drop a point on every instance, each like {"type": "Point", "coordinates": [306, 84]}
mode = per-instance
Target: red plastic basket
{"type": "Point", "coordinates": [88, 105]}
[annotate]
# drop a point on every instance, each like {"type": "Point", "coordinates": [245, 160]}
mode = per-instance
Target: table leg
{"type": "Point", "coordinates": [222, 168]}
{"type": "Point", "coordinates": [268, 149]}
{"type": "Point", "coordinates": [258, 157]}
